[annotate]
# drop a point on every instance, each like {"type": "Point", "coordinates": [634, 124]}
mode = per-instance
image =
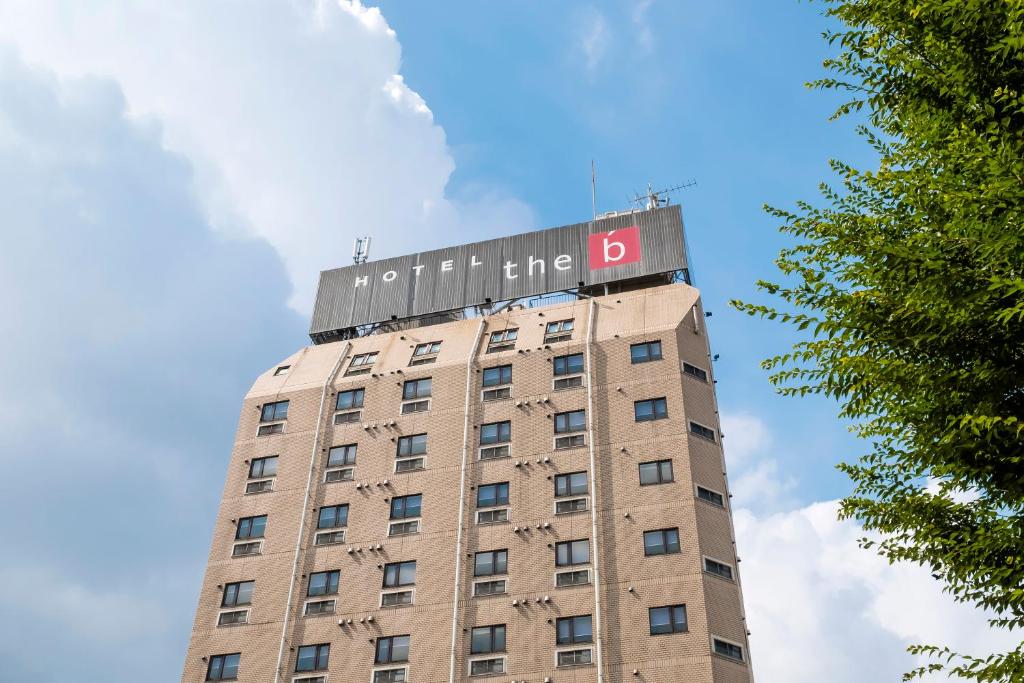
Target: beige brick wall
{"type": "Point", "coordinates": [631, 583]}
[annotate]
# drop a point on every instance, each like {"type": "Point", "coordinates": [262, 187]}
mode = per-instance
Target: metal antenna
{"type": "Point", "coordinates": [655, 198]}
{"type": "Point", "coordinates": [360, 250]}
{"type": "Point", "coordinates": [593, 188]}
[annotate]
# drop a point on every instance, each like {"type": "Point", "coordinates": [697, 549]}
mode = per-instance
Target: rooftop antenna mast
{"type": "Point", "coordinates": [655, 198]}
{"type": "Point", "coordinates": [360, 250]}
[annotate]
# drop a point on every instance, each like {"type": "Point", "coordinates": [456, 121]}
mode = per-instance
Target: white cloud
{"type": "Point", "coordinates": [642, 24]}
{"type": "Point", "coordinates": [820, 607]}
{"type": "Point", "coordinates": [593, 39]}
{"type": "Point", "coordinates": [294, 114]}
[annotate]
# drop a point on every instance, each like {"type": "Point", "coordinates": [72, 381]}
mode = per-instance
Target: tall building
{"type": "Point", "coordinates": [496, 462]}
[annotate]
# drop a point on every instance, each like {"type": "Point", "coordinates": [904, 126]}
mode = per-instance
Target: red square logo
{"type": "Point", "coordinates": [614, 248]}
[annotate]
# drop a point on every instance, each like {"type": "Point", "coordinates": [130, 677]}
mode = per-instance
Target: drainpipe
{"type": "Point", "coordinates": [593, 494]}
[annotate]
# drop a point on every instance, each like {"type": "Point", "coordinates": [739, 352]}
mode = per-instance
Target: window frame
{"type": "Point", "coordinates": [648, 356]}
{"type": "Point", "coordinates": [332, 581]}
{"type": "Point", "coordinates": [699, 433]}
{"type": "Point", "coordinates": [559, 330]}
{"type": "Point", "coordinates": [742, 659]}
{"type": "Point", "coordinates": [494, 563]}
{"type": "Point", "coordinates": [502, 381]}
{"type": "Point", "coordinates": [492, 630]}
{"type": "Point", "coordinates": [251, 521]}
{"type": "Point", "coordinates": [699, 487]}
{"type": "Point", "coordinates": [569, 491]}
{"type": "Point", "coordinates": [659, 465]}
{"type": "Point", "coordinates": [572, 628]}
{"type": "Point", "coordinates": [358, 398]}
{"type": "Point", "coordinates": [672, 621]}
{"type": "Point", "coordinates": [567, 426]}
{"type": "Point", "coordinates": [665, 545]}
{"type": "Point", "coordinates": [731, 569]}
{"type": "Point", "coordinates": [262, 460]}
{"type": "Point", "coordinates": [337, 509]}
{"type": "Point", "coordinates": [223, 660]}
{"type": "Point", "coordinates": [320, 650]}
{"type": "Point", "coordinates": [654, 415]}
{"type": "Point", "coordinates": [277, 415]}
{"type": "Point", "coordinates": [497, 486]}
{"type": "Point", "coordinates": [569, 545]}
{"type": "Point", "coordinates": [566, 370]}
{"type": "Point", "coordinates": [502, 340]}
{"type": "Point", "coordinates": [695, 371]}
{"type": "Point", "coordinates": [224, 604]}
{"type": "Point", "coordinates": [398, 568]}
{"type": "Point", "coordinates": [390, 657]}
{"type": "Point", "coordinates": [403, 504]}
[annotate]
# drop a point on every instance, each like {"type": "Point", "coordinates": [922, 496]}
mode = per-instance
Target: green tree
{"type": "Point", "coordinates": [909, 283]}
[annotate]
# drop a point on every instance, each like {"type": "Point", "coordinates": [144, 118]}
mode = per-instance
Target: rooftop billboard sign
{"type": "Point", "coordinates": [610, 249]}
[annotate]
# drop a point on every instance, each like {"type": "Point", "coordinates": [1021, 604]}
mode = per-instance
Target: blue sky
{"type": "Point", "coordinates": [174, 175]}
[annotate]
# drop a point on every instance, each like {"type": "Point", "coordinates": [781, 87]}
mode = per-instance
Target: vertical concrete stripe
{"type": "Point", "coordinates": [462, 500]}
{"type": "Point", "coordinates": [305, 504]}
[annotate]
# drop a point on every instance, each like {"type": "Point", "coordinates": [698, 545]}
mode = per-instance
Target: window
{"type": "Point", "coordinates": [397, 574]}
{"type": "Point", "coordinates": [414, 444]}
{"type": "Point", "coordinates": [498, 375]}
{"type": "Point", "coordinates": [487, 639]}
{"type": "Point", "coordinates": [339, 456]}
{"type": "Point", "coordinates": [572, 630]}
{"type": "Point", "coordinates": [657, 472]}
{"type": "Point", "coordinates": [263, 467]}
{"type": "Point", "coordinates": [503, 340]}
{"type": "Point", "coordinates": [404, 507]}
{"type": "Point", "coordinates": [425, 353]}
{"type": "Point", "coordinates": [415, 393]}
{"type": "Point", "coordinates": [671, 619]}
{"type": "Point", "coordinates": [490, 563]}
{"type": "Point", "coordinates": [710, 496]}
{"type": "Point", "coordinates": [718, 568]}
{"type": "Point", "coordinates": [223, 667]}
{"type": "Point", "coordinates": [487, 667]}
{"type": "Point", "coordinates": [274, 411]}
{"type": "Point", "coordinates": [568, 365]}
{"type": "Point", "coordinates": [572, 484]}
{"type": "Point", "coordinates": [347, 400]}
{"type": "Point", "coordinates": [495, 433]}
{"type": "Point", "coordinates": [651, 409]}
{"type": "Point", "coordinates": [237, 594]}
{"type": "Point", "coordinates": [558, 331]}
{"type": "Point", "coordinates": [645, 352]}
{"type": "Point", "coordinates": [492, 495]}
{"type": "Point", "coordinates": [323, 583]}
{"type": "Point", "coordinates": [575, 657]}
{"type": "Point", "coordinates": [312, 657]}
{"type": "Point", "coordinates": [575, 421]}
{"type": "Point", "coordinates": [332, 517]}
{"type": "Point", "coordinates": [579, 577]}
{"type": "Point", "coordinates": [233, 618]}
{"type": "Point", "coordinates": [390, 675]}
{"type": "Point", "coordinates": [396, 599]}
{"type": "Point", "coordinates": [661, 542]}
{"type": "Point", "coordinates": [484, 588]}
{"type": "Point", "coordinates": [392, 650]}
{"type": "Point", "coordinates": [727, 649]}
{"type": "Point", "coordinates": [568, 553]}
{"type": "Point", "coordinates": [361, 363]}
{"type": "Point", "coordinates": [700, 430]}
{"type": "Point", "coordinates": [282, 370]}
{"type": "Point", "coordinates": [251, 527]}
{"type": "Point", "coordinates": [694, 371]}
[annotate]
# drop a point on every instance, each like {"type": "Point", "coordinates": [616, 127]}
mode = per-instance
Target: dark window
{"type": "Point", "coordinates": [661, 542]}
{"type": "Point", "coordinates": [572, 484]}
{"type": "Point", "coordinates": [403, 507]}
{"type": "Point", "coordinates": [312, 657]}
{"type": "Point", "coordinates": [576, 578]}
{"type": "Point", "coordinates": [503, 340]}
{"type": "Point", "coordinates": [657, 472]}
{"type": "Point", "coordinates": [399, 574]}
{"type": "Point", "coordinates": [575, 421]}
{"type": "Point", "coordinates": [495, 432]}
{"type": "Point", "coordinates": [268, 430]}
{"type": "Point", "coordinates": [710, 496]}
{"type": "Point", "coordinates": [486, 639]}
{"type": "Point", "coordinates": [729, 650]}
{"type": "Point", "coordinates": [263, 467]}
{"type": "Point", "coordinates": [568, 553]}
{"type": "Point", "coordinates": [491, 563]}
{"type": "Point", "coordinates": [251, 527]}
{"type": "Point", "coordinates": [414, 444]}
{"type": "Point", "coordinates": [694, 371]}
{"type": "Point", "coordinates": [702, 431]}
{"type": "Point", "coordinates": [573, 630]}
{"type": "Point", "coordinates": [645, 352]}
{"type": "Point", "coordinates": [428, 349]}
{"type": "Point", "coordinates": [491, 495]}
{"type": "Point", "coordinates": [392, 650]}
{"type": "Point", "coordinates": [323, 583]}
{"type": "Point", "coordinates": [236, 594]}
{"type": "Point", "coordinates": [557, 331]}
{"type": "Point", "coordinates": [651, 409]}
{"type": "Point", "coordinates": [282, 370]}
{"type": "Point", "coordinates": [363, 359]}
{"type": "Point", "coordinates": [671, 619]}
{"type": "Point", "coordinates": [497, 376]}
{"type": "Point", "coordinates": [342, 455]}
{"type": "Point", "coordinates": [416, 388]}
{"type": "Point", "coordinates": [223, 667]}
{"type": "Point", "coordinates": [717, 568]}
{"type": "Point", "coordinates": [274, 411]}
{"type": "Point", "coordinates": [350, 399]}
{"type": "Point", "coordinates": [332, 517]}
{"type": "Point", "coordinates": [568, 365]}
